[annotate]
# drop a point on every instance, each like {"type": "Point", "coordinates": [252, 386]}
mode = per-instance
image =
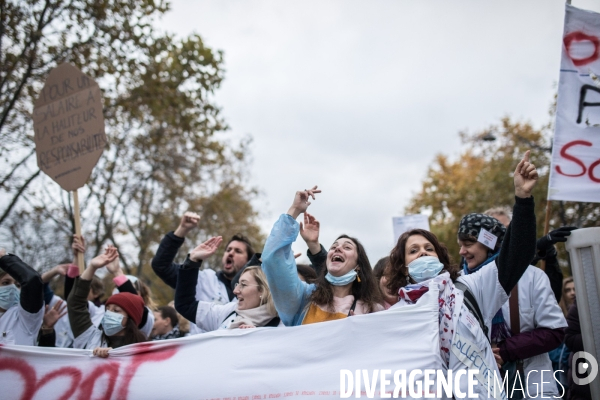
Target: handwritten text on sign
{"type": "Point", "coordinates": [575, 172]}
{"type": "Point", "coordinates": [69, 126]}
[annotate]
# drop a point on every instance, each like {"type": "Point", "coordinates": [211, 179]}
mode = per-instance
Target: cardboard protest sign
{"type": "Point", "coordinates": [575, 170]}
{"type": "Point", "coordinates": [69, 126]}
{"type": "Point", "coordinates": [408, 222]}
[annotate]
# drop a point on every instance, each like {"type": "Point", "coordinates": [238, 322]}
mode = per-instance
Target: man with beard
{"type": "Point", "coordinates": [212, 286]}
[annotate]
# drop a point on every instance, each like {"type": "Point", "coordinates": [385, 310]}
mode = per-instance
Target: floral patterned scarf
{"type": "Point", "coordinates": [448, 316]}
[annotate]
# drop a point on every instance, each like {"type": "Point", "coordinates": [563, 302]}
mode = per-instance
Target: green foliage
{"type": "Point", "coordinates": [481, 178]}
{"type": "Point", "coordinates": [166, 152]}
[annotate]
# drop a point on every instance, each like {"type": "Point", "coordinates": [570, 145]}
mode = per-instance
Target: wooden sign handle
{"type": "Point", "coordinates": [80, 260]}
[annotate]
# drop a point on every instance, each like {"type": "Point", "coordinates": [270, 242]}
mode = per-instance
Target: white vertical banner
{"type": "Point", "coordinates": [408, 222]}
{"type": "Point", "coordinates": [575, 169]}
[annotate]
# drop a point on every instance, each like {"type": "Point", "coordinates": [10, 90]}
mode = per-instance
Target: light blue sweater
{"type": "Point", "coordinates": [290, 294]}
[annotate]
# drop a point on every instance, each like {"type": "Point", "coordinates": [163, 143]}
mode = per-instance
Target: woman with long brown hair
{"type": "Point", "coordinates": [345, 287]}
{"type": "Point", "coordinates": [467, 304]}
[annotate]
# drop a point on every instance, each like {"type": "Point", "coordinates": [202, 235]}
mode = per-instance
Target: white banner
{"type": "Point", "coordinates": [408, 222]}
{"type": "Point", "coordinates": [303, 362]}
{"type": "Point", "coordinates": [575, 170]}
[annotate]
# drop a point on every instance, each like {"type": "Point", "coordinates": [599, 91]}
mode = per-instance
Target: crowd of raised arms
{"type": "Point", "coordinates": [270, 289]}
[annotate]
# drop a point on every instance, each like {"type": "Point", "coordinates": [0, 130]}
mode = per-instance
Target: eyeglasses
{"type": "Point", "coordinates": [243, 285]}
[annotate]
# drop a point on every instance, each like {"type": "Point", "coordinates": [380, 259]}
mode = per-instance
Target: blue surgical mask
{"type": "Point", "coordinates": [341, 280]}
{"type": "Point", "coordinates": [9, 296]}
{"type": "Point", "coordinates": [111, 323]}
{"type": "Point", "coordinates": [424, 268]}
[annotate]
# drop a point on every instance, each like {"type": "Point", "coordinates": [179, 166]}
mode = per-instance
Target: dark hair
{"type": "Point", "coordinates": [169, 312]}
{"type": "Point", "coordinates": [366, 290]}
{"type": "Point", "coordinates": [307, 272]}
{"type": "Point", "coordinates": [379, 268]}
{"type": "Point", "coordinates": [397, 274]}
{"type": "Point", "coordinates": [238, 237]}
{"type": "Point", "coordinates": [132, 335]}
{"type": "Point", "coordinates": [97, 288]}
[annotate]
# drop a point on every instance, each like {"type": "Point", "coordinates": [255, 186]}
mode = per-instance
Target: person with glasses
{"type": "Point", "coordinates": [253, 307]}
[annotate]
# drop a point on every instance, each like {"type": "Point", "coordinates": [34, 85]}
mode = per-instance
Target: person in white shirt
{"type": "Point", "coordinates": [21, 301]}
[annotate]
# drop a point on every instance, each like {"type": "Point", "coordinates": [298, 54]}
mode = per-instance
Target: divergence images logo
{"type": "Point", "coordinates": [588, 366]}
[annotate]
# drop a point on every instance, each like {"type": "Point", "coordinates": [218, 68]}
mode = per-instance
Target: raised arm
{"type": "Point", "coordinates": [309, 230]}
{"type": "Point", "coordinates": [78, 245]}
{"type": "Point", "coordinates": [185, 293]}
{"type": "Point", "coordinates": [163, 263]}
{"type": "Point", "coordinates": [77, 305]}
{"type": "Point", "coordinates": [288, 291]}
{"type": "Point", "coordinates": [32, 288]}
{"type": "Point", "coordinates": [519, 244]}
{"type": "Point", "coordinates": [547, 252]}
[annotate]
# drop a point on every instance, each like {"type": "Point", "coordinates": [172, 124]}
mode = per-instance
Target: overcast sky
{"type": "Point", "coordinates": [359, 96]}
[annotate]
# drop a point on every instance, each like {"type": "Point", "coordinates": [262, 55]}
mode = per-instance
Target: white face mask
{"type": "Point", "coordinates": [112, 323]}
{"type": "Point", "coordinates": [424, 268]}
{"type": "Point", "coordinates": [345, 279]}
{"type": "Point", "coordinates": [9, 296]}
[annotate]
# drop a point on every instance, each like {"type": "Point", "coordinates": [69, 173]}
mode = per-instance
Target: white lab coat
{"type": "Point", "coordinates": [210, 288]}
{"type": "Point", "coordinates": [537, 309]}
{"type": "Point", "coordinates": [18, 326]}
{"type": "Point", "coordinates": [211, 316]}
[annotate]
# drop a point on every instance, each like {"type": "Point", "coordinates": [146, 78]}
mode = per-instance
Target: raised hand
{"type": "Point", "coordinates": [206, 249]}
{"type": "Point", "coordinates": [60, 269]}
{"type": "Point", "coordinates": [301, 201]}
{"type": "Point", "coordinates": [51, 315]}
{"type": "Point", "coordinates": [558, 235]}
{"type": "Point", "coordinates": [78, 245]}
{"type": "Point", "coordinates": [189, 221]}
{"type": "Point", "coordinates": [309, 230]}
{"type": "Point", "coordinates": [114, 267]}
{"type": "Point", "coordinates": [555, 236]}
{"type": "Point", "coordinates": [110, 254]}
{"type": "Point", "coordinates": [525, 177]}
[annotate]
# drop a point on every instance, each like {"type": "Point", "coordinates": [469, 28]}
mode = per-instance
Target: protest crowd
{"type": "Point", "coordinates": [524, 317]}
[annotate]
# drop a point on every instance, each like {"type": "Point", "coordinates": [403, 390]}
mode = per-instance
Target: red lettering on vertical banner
{"type": "Point", "coordinates": [564, 154]}
{"type": "Point", "coordinates": [591, 171]}
{"type": "Point", "coordinates": [582, 37]}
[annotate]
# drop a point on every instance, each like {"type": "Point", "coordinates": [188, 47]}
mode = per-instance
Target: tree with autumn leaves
{"type": "Point", "coordinates": [478, 180]}
{"type": "Point", "coordinates": [167, 150]}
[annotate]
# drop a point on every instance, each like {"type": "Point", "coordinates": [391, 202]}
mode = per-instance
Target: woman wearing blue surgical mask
{"type": "Point", "coordinates": [119, 326]}
{"type": "Point", "coordinates": [346, 287]}
{"type": "Point", "coordinates": [21, 301]}
{"type": "Point", "coordinates": [467, 304]}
